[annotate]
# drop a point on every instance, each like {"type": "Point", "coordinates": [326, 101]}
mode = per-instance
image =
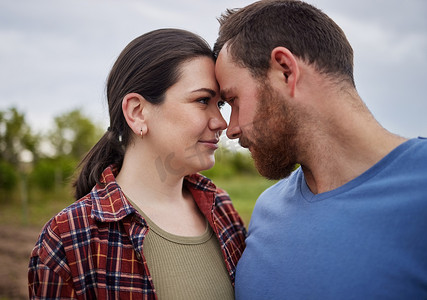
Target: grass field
{"type": "Point", "coordinates": [41, 206]}
{"type": "Point", "coordinates": [37, 210]}
{"type": "Point", "coordinates": [244, 191]}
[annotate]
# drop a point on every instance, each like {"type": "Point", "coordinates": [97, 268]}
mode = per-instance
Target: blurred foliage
{"type": "Point", "coordinates": [231, 163]}
{"type": "Point", "coordinates": [36, 168]}
{"type": "Point", "coordinates": [50, 173]}
{"type": "Point", "coordinates": [15, 137]}
{"type": "Point", "coordinates": [73, 135]}
{"type": "Point", "coordinates": [42, 205]}
{"type": "Point", "coordinates": [8, 176]}
{"type": "Point", "coordinates": [44, 161]}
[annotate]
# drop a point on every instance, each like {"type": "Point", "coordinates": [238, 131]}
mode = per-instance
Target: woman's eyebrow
{"type": "Point", "coordinates": [210, 91]}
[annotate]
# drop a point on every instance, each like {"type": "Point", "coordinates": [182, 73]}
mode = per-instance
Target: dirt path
{"type": "Point", "coordinates": [16, 244]}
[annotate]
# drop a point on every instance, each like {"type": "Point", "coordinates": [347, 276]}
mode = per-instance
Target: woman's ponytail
{"type": "Point", "coordinates": [109, 150]}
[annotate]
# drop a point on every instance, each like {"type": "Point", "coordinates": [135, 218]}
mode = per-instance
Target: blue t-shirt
{"type": "Point", "coordinates": [364, 240]}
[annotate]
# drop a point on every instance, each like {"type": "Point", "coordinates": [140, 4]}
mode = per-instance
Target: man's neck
{"type": "Point", "coordinates": [344, 154]}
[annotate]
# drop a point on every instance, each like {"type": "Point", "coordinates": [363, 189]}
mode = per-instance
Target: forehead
{"type": "Point", "coordinates": [231, 76]}
{"type": "Point", "coordinates": [201, 68]}
{"type": "Point", "coordinates": [195, 74]}
{"type": "Point", "coordinates": [224, 62]}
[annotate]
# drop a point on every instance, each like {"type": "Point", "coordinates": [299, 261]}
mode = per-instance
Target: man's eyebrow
{"type": "Point", "coordinates": [224, 94]}
{"type": "Point", "coordinates": [210, 91]}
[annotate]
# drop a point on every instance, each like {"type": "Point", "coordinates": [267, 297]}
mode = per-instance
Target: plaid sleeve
{"type": "Point", "coordinates": [224, 202]}
{"type": "Point", "coordinates": [48, 272]}
{"type": "Point", "coordinates": [231, 231]}
{"type": "Point", "coordinates": [46, 284]}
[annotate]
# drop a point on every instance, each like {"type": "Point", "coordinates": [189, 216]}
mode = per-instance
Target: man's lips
{"type": "Point", "coordinates": [244, 142]}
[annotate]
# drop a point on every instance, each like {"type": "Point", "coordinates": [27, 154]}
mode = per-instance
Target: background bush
{"type": "Point", "coordinates": [37, 185]}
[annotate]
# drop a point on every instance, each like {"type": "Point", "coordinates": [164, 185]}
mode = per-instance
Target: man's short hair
{"type": "Point", "coordinates": [251, 33]}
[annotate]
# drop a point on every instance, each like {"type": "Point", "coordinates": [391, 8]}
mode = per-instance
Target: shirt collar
{"type": "Point", "coordinates": [110, 204]}
{"type": "Point", "coordinates": [199, 182]}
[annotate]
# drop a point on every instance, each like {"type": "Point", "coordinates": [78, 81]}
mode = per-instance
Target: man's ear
{"type": "Point", "coordinates": [285, 65]}
{"type": "Point", "coordinates": [134, 110]}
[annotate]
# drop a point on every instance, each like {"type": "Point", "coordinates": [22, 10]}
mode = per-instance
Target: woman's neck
{"type": "Point", "coordinates": [162, 197]}
{"type": "Point", "coordinates": [142, 175]}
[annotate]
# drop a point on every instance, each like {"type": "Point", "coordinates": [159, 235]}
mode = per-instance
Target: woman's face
{"type": "Point", "coordinates": [187, 125]}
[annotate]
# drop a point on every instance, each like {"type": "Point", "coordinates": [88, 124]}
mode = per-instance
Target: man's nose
{"type": "Point", "coordinates": [234, 131]}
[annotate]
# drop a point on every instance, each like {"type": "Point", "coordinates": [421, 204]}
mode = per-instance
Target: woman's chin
{"type": "Point", "coordinates": [207, 165]}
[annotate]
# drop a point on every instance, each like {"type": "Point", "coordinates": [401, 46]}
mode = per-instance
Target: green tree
{"type": "Point", "coordinates": [74, 134]}
{"type": "Point", "coordinates": [18, 149]}
{"type": "Point", "coordinates": [16, 140]}
{"type": "Point", "coordinates": [16, 137]}
{"type": "Point", "coordinates": [8, 177]}
{"type": "Point", "coordinates": [52, 173]}
{"type": "Point", "coordinates": [70, 139]}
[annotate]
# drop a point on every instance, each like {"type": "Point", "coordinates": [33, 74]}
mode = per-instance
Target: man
{"type": "Point", "coordinates": [351, 222]}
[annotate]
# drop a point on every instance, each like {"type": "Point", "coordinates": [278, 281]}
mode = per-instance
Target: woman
{"type": "Point", "coordinates": [146, 225]}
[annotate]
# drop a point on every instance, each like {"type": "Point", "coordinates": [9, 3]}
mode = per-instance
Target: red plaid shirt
{"type": "Point", "coordinates": [93, 248]}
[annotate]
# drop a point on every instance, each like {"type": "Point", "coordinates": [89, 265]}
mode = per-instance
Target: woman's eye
{"type": "Point", "coordinates": [203, 100]}
{"type": "Point", "coordinates": [221, 104]}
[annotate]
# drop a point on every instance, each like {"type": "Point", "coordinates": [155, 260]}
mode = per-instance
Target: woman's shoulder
{"type": "Point", "coordinates": [57, 234]}
{"type": "Point", "coordinates": [73, 217]}
{"type": "Point", "coordinates": [75, 212]}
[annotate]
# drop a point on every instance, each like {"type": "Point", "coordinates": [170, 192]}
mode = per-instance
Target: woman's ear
{"type": "Point", "coordinates": [285, 64]}
{"type": "Point", "coordinates": [134, 110]}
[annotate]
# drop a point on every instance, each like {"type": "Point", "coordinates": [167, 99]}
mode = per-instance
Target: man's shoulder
{"type": "Point", "coordinates": [413, 153]}
{"type": "Point", "coordinates": [416, 143]}
{"type": "Point", "coordinates": [420, 145]}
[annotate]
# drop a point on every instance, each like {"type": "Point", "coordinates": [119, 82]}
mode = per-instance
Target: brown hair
{"type": "Point", "coordinates": [251, 33]}
{"type": "Point", "coordinates": [148, 65]}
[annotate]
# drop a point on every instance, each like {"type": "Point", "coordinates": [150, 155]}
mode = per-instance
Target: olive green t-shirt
{"type": "Point", "coordinates": [186, 267]}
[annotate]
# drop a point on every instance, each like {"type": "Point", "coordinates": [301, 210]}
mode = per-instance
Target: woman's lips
{"type": "Point", "coordinates": [213, 144]}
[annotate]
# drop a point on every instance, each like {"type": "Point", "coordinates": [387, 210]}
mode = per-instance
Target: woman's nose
{"type": "Point", "coordinates": [217, 122]}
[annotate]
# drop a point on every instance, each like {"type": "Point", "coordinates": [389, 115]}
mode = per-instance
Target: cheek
{"type": "Point", "coordinates": [185, 122]}
{"type": "Point", "coordinates": [247, 115]}
{"type": "Point", "coordinates": [197, 122]}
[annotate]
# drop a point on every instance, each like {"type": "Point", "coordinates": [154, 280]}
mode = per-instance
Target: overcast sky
{"type": "Point", "coordinates": [55, 55]}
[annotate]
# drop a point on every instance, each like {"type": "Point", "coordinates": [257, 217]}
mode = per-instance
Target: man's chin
{"type": "Point", "coordinates": [272, 172]}
{"type": "Point", "coordinates": [271, 166]}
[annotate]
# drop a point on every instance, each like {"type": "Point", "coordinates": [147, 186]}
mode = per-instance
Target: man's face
{"type": "Point", "coordinates": [261, 118]}
{"type": "Point", "coordinates": [237, 87]}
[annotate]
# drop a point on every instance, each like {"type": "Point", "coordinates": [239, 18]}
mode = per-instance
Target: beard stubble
{"type": "Point", "coordinates": [273, 145]}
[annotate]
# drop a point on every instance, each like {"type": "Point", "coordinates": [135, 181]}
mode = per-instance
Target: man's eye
{"type": "Point", "coordinates": [221, 104]}
{"type": "Point", "coordinates": [230, 101]}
